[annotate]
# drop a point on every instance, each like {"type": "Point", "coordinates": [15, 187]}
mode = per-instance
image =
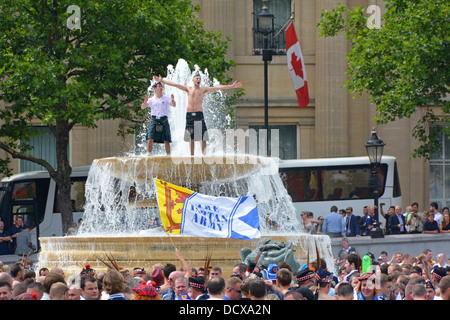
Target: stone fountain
{"type": "Point", "coordinates": [122, 217]}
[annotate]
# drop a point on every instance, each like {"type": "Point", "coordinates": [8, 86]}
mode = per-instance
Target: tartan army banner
{"type": "Point", "coordinates": [184, 211]}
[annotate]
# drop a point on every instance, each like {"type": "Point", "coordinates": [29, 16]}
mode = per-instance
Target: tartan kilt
{"type": "Point", "coordinates": [159, 137]}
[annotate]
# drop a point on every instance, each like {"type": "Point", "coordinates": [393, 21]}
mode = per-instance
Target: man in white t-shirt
{"type": "Point", "coordinates": [441, 261]}
{"type": "Point", "coordinates": [437, 215]}
{"type": "Point", "coordinates": [159, 128]}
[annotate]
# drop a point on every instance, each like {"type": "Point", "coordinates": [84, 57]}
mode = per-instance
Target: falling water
{"type": "Point", "coordinates": [214, 109]}
{"type": "Point", "coordinates": [121, 194]}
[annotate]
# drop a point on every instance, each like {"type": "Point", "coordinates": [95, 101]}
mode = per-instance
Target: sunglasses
{"type": "Point", "coordinates": [238, 291]}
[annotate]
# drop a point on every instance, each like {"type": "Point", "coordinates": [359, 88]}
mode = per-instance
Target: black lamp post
{"type": "Point", "coordinates": [265, 26]}
{"type": "Point", "coordinates": [374, 148]}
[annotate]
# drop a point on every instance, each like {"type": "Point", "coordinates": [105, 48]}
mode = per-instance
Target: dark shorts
{"type": "Point", "coordinates": [159, 130]}
{"type": "Point", "coordinates": [195, 127]}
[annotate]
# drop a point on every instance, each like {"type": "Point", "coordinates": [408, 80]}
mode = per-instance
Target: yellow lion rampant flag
{"type": "Point", "coordinates": [170, 202]}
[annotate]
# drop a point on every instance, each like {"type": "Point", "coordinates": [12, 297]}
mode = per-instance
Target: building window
{"type": "Point", "coordinates": [287, 140]}
{"type": "Point", "coordinates": [439, 186]}
{"type": "Point", "coordinates": [281, 9]}
{"type": "Point", "coordinates": [43, 147]}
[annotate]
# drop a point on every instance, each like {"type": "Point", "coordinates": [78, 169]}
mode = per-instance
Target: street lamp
{"type": "Point", "coordinates": [374, 148]}
{"type": "Point", "coordinates": [265, 20]}
{"type": "Point", "coordinates": [265, 26]}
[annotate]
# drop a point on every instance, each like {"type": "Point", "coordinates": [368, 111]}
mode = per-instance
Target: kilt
{"type": "Point", "coordinates": [159, 136]}
{"type": "Point", "coordinates": [194, 122]}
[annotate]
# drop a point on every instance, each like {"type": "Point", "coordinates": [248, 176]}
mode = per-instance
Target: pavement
{"type": "Point", "coordinates": [413, 244]}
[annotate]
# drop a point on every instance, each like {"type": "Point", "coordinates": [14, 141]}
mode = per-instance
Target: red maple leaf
{"type": "Point", "coordinates": [296, 65]}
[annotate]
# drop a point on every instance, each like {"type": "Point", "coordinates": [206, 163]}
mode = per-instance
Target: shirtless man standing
{"type": "Point", "coordinates": [194, 112]}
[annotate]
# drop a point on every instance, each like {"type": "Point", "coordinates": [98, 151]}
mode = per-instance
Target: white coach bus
{"type": "Point", "coordinates": [317, 184]}
{"type": "Point", "coordinates": [33, 196]}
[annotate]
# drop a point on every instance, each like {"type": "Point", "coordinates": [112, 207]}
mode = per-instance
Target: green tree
{"type": "Point", "coordinates": [59, 72]}
{"type": "Point", "coordinates": [402, 63]}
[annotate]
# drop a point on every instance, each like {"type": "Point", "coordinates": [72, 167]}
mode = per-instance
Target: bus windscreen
{"type": "Point", "coordinates": [332, 183]}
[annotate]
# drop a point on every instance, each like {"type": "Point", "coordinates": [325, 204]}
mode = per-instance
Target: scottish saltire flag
{"type": "Point", "coordinates": [207, 216]}
{"type": "Point", "coordinates": [220, 217]}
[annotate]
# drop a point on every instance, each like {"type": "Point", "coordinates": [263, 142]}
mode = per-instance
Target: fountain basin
{"type": "Point", "coordinates": [72, 253]}
{"type": "Point", "coordinates": [143, 169]}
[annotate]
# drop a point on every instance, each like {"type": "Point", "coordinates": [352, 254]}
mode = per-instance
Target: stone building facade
{"type": "Point", "coordinates": [332, 125]}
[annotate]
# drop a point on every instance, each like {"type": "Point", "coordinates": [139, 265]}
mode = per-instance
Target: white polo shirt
{"type": "Point", "coordinates": [159, 106]}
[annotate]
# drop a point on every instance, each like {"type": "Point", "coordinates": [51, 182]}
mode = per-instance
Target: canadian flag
{"type": "Point", "coordinates": [296, 66]}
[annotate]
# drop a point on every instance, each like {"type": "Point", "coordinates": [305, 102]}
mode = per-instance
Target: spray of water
{"type": "Point", "coordinates": [121, 194]}
{"type": "Point", "coordinates": [214, 110]}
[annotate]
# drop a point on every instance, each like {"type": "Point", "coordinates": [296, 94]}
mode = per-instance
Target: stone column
{"type": "Point", "coordinates": [218, 15]}
{"type": "Point", "coordinates": [331, 112]}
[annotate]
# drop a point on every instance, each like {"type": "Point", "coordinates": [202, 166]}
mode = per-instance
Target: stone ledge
{"type": "Point", "coordinates": [413, 244]}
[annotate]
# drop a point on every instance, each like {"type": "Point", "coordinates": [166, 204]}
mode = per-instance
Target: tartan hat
{"type": "Point", "coordinates": [138, 271]}
{"type": "Point", "coordinates": [428, 284]}
{"type": "Point", "coordinates": [87, 271]}
{"type": "Point", "coordinates": [324, 276]}
{"type": "Point", "coordinates": [304, 275]}
{"type": "Point", "coordinates": [147, 289]}
{"type": "Point", "coordinates": [438, 272]}
{"type": "Point", "coordinates": [26, 296]}
{"type": "Point", "coordinates": [197, 282]}
{"type": "Point", "coordinates": [158, 277]}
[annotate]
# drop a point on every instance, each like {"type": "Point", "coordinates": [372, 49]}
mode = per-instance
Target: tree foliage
{"type": "Point", "coordinates": [55, 74]}
{"type": "Point", "coordinates": [402, 64]}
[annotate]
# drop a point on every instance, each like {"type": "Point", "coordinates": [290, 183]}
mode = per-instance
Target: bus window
{"type": "Point", "coordinates": [317, 184]}
{"type": "Point", "coordinates": [332, 183]}
{"type": "Point", "coordinates": [24, 190]}
{"type": "Point", "coordinates": [352, 183]}
{"type": "Point", "coordinates": [27, 212]}
{"type": "Point", "coordinates": [77, 195]}
{"type": "Point", "coordinates": [3, 189]}
{"type": "Point", "coordinates": [301, 184]}
{"type": "Point", "coordinates": [3, 198]}
{"type": "Point", "coordinates": [26, 198]}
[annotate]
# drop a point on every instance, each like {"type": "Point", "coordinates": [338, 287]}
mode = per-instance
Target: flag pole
{"type": "Point", "coordinates": [291, 19]}
{"type": "Point", "coordinates": [173, 244]}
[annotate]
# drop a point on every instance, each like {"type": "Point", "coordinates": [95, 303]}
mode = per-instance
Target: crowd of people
{"type": "Point", "coordinates": [344, 222]}
{"type": "Point", "coordinates": [403, 277]}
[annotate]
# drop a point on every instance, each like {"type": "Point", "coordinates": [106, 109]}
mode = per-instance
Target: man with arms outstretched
{"type": "Point", "coordinates": [194, 112]}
